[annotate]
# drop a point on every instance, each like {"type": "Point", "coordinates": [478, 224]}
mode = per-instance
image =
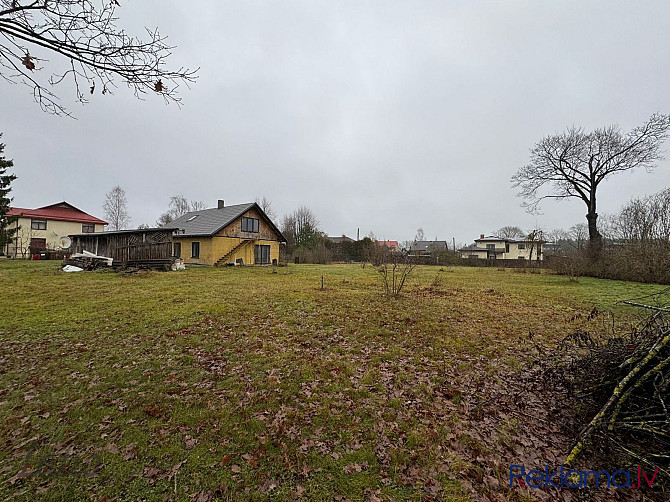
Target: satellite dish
{"type": "Point", "coordinates": [65, 242]}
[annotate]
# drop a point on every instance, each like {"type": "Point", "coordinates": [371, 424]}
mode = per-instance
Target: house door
{"type": "Point", "coordinates": [261, 255]}
{"type": "Point", "coordinates": [177, 249]}
{"type": "Point", "coordinates": [37, 245]}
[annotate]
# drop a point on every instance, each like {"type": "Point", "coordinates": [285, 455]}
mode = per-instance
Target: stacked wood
{"type": "Point", "coordinates": [88, 261]}
{"type": "Point", "coordinates": [164, 264]}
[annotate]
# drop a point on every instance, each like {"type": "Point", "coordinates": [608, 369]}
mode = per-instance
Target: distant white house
{"type": "Point", "coordinates": [493, 247]}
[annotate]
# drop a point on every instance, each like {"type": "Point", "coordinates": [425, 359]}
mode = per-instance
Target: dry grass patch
{"type": "Point", "coordinates": [241, 384]}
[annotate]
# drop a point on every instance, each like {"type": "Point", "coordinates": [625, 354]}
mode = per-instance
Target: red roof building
{"type": "Point", "coordinates": [389, 244]}
{"type": "Point", "coordinates": [62, 211]}
{"type": "Point", "coordinates": [42, 229]}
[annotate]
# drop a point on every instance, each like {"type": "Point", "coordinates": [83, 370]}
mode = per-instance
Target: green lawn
{"type": "Point", "coordinates": [243, 384]}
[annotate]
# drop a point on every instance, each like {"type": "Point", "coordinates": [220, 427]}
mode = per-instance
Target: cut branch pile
{"type": "Point", "coordinates": [627, 380]}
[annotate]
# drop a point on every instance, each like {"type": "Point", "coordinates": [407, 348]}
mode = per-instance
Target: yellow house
{"type": "Point", "coordinates": [41, 229]}
{"type": "Point", "coordinates": [242, 234]}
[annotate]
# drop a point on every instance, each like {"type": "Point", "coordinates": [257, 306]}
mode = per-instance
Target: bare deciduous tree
{"type": "Point", "coordinates": [510, 232]}
{"type": "Point", "coordinates": [534, 240]}
{"type": "Point", "coordinates": [198, 205]}
{"type": "Point", "coordinates": [116, 209]}
{"type": "Point", "coordinates": [574, 164]}
{"type": "Point", "coordinates": [560, 241]}
{"type": "Point", "coordinates": [579, 233]}
{"type": "Point", "coordinates": [645, 219]}
{"type": "Point", "coordinates": [557, 235]}
{"type": "Point", "coordinates": [420, 235]}
{"type": "Point", "coordinates": [84, 34]}
{"type": "Point", "coordinates": [179, 206]}
{"type": "Point", "coordinates": [266, 205]}
{"type": "Point", "coordinates": [301, 228]}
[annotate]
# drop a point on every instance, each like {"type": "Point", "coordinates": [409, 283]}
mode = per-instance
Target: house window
{"type": "Point", "coordinates": [249, 224]}
{"type": "Point", "coordinates": [261, 255]}
{"type": "Point", "coordinates": [177, 249]}
{"type": "Point", "coordinates": [87, 228]}
{"type": "Point", "coordinates": [490, 246]}
{"type": "Point", "coordinates": [38, 224]}
{"type": "Point", "coordinates": [195, 250]}
{"type": "Point", "coordinates": [522, 246]}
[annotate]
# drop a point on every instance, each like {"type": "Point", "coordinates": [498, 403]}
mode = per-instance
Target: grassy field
{"type": "Point", "coordinates": [243, 384]}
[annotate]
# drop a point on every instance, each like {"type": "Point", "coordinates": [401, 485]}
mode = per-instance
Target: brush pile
{"type": "Point", "coordinates": [623, 385]}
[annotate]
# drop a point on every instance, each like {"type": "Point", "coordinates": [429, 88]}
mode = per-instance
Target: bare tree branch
{"type": "Point", "coordinates": [84, 33]}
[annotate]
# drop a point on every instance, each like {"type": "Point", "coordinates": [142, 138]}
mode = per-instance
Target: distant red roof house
{"type": "Point", "coordinates": [41, 229]}
{"type": "Point", "coordinates": [389, 244]}
{"type": "Point", "coordinates": [61, 211]}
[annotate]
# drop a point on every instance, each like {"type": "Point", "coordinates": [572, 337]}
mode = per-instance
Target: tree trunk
{"type": "Point", "coordinates": [595, 239]}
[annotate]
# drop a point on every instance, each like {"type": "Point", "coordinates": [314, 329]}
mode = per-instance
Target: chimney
{"type": "Point", "coordinates": [481, 236]}
{"type": "Point", "coordinates": [220, 205]}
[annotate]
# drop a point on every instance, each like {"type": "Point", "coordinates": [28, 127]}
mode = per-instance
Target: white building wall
{"type": "Point", "coordinates": [20, 248]}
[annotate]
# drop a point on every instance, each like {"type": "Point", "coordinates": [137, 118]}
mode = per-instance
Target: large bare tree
{"type": "Point", "coordinates": [574, 164]}
{"type": "Point", "coordinates": [510, 232]}
{"type": "Point", "coordinates": [116, 209]}
{"type": "Point", "coordinates": [94, 51]}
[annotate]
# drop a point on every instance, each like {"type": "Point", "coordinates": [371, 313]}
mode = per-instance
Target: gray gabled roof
{"type": "Point", "coordinates": [340, 238]}
{"type": "Point", "coordinates": [429, 246]}
{"type": "Point", "coordinates": [208, 222]}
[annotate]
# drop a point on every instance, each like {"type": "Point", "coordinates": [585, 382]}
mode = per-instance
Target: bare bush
{"type": "Point", "coordinates": [394, 267]}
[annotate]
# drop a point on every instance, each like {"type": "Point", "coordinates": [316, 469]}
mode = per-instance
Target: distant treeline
{"type": "Point", "coordinates": [636, 244]}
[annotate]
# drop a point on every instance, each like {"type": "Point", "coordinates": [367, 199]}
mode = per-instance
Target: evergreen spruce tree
{"type": "Point", "coordinates": [6, 222]}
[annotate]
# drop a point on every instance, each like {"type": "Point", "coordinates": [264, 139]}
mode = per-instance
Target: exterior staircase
{"type": "Point", "coordinates": [229, 254]}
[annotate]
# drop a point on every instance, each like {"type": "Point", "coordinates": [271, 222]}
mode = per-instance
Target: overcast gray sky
{"type": "Point", "coordinates": [379, 115]}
